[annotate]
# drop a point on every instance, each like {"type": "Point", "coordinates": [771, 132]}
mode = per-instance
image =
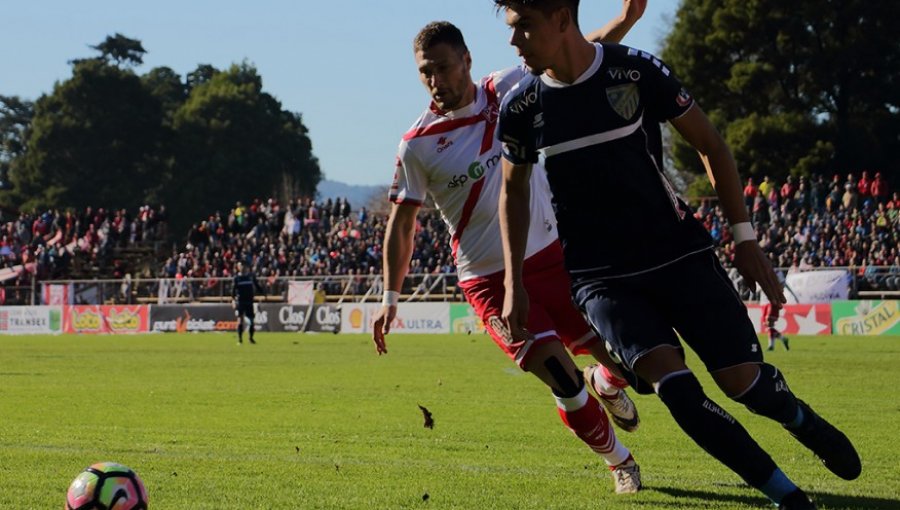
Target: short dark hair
{"type": "Point", "coordinates": [439, 32]}
{"type": "Point", "coordinates": [545, 6]}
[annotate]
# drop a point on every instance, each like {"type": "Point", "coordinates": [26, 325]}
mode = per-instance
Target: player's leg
{"type": "Point", "coordinates": [251, 318]}
{"type": "Point", "coordinates": [548, 286]}
{"type": "Point", "coordinates": [580, 411]}
{"type": "Point", "coordinates": [240, 323]}
{"type": "Point", "coordinates": [726, 341]}
{"type": "Point", "coordinates": [641, 335]}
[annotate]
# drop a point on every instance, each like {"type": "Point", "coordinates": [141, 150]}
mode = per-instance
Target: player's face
{"type": "Point", "coordinates": [445, 72]}
{"type": "Point", "coordinates": [536, 36]}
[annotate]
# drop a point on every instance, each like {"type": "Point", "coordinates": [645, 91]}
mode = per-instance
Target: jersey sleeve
{"type": "Point", "coordinates": [410, 181]}
{"type": "Point", "coordinates": [506, 79]}
{"type": "Point", "coordinates": [514, 128]}
{"type": "Point", "coordinates": [664, 95]}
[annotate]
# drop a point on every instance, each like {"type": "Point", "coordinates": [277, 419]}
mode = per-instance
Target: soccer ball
{"type": "Point", "coordinates": [107, 486]}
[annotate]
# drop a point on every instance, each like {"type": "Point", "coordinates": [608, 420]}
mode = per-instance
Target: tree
{"type": "Point", "coordinates": [201, 75]}
{"type": "Point", "coordinates": [165, 84]}
{"type": "Point", "coordinates": [92, 141]}
{"type": "Point", "coordinates": [795, 87]}
{"type": "Point", "coordinates": [121, 50]}
{"type": "Point", "coordinates": [15, 119]}
{"type": "Point", "coordinates": [236, 142]}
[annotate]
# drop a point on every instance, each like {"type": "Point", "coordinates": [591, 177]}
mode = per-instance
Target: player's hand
{"type": "Point", "coordinates": [515, 310]}
{"type": "Point", "coordinates": [382, 326]}
{"type": "Point", "coordinates": [632, 10]}
{"type": "Point", "coordinates": [755, 267]}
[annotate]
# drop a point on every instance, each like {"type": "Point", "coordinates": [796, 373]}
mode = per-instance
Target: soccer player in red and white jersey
{"type": "Point", "coordinates": [451, 154]}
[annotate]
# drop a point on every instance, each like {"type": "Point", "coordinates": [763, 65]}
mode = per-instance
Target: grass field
{"type": "Point", "coordinates": [320, 421]}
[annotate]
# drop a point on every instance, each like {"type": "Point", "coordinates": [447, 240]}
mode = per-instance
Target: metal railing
{"type": "Point", "coordinates": [881, 281]}
{"type": "Point", "coordinates": [338, 289]}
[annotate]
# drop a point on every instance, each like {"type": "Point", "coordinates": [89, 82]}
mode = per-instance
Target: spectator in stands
{"type": "Point", "coordinates": [879, 189]}
{"type": "Point", "coordinates": [750, 193]}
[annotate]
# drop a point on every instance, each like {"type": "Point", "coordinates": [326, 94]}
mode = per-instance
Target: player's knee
{"type": "Point", "coordinates": [770, 395]}
{"type": "Point", "coordinates": [679, 390]}
{"type": "Point", "coordinates": [567, 384]}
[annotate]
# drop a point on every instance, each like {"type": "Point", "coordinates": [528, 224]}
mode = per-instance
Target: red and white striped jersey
{"type": "Point", "coordinates": [455, 158]}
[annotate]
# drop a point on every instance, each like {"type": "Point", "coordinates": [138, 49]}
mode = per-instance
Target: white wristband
{"type": "Point", "coordinates": [390, 298]}
{"type": "Point", "coordinates": [743, 232]}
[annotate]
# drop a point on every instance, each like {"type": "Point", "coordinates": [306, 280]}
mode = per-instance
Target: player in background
{"type": "Point", "coordinates": [771, 314]}
{"type": "Point", "coordinates": [643, 268]}
{"type": "Point", "coordinates": [242, 296]}
{"type": "Point", "coordinates": [452, 155]}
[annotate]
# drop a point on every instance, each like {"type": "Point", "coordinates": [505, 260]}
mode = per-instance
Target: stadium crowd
{"type": "Point", "coordinates": [45, 244]}
{"type": "Point", "coordinates": [801, 223]}
{"type": "Point", "coordinates": [301, 238]}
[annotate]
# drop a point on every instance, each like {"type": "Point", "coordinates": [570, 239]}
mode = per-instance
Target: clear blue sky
{"type": "Point", "coordinates": [347, 66]}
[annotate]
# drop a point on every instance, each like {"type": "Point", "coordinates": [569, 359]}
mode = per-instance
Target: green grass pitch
{"type": "Point", "coordinates": [321, 421]}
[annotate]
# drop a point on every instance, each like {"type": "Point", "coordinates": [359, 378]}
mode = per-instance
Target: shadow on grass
{"type": "Point", "coordinates": [831, 501]}
{"type": "Point", "coordinates": [748, 500]}
{"type": "Point", "coordinates": [841, 501]}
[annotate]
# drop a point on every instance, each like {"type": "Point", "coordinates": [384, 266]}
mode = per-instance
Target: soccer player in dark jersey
{"type": "Point", "coordinates": [642, 266]}
{"type": "Point", "coordinates": [242, 293]}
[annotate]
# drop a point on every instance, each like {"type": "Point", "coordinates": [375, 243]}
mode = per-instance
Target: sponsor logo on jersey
{"type": "Point", "coordinates": [490, 113]}
{"type": "Point", "coordinates": [624, 99]}
{"type": "Point", "coordinates": [620, 73]}
{"type": "Point", "coordinates": [683, 98]}
{"type": "Point", "coordinates": [475, 171]}
{"type": "Point", "coordinates": [539, 120]}
{"type": "Point", "coordinates": [527, 99]}
{"type": "Point", "coordinates": [443, 144]}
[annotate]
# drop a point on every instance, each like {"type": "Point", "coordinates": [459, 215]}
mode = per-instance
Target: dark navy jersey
{"type": "Point", "coordinates": [244, 286]}
{"type": "Point", "coordinates": [601, 145]}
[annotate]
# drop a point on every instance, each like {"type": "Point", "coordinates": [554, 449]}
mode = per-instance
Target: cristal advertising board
{"type": "Point", "coordinates": [106, 319]}
{"type": "Point", "coordinates": [464, 320]}
{"type": "Point", "coordinates": [870, 317]}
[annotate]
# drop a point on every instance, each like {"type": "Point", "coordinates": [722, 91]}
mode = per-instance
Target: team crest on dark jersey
{"type": "Point", "coordinates": [624, 99]}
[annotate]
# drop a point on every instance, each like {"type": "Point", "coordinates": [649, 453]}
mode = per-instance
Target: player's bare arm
{"type": "Point", "coordinates": [614, 31]}
{"type": "Point", "coordinates": [398, 248]}
{"type": "Point", "coordinates": [515, 198]}
{"type": "Point", "coordinates": [749, 258]}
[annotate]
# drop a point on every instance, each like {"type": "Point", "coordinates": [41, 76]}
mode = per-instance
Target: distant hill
{"type": "Point", "coordinates": [359, 195]}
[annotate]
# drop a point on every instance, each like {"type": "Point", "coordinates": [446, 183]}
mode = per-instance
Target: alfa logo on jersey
{"type": "Point", "coordinates": [624, 99]}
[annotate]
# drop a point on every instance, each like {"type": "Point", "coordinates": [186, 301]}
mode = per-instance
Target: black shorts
{"type": "Point", "coordinates": [245, 309]}
{"type": "Point", "coordinates": [693, 297]}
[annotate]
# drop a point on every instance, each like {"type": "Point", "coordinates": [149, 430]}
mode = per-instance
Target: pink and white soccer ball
{"type": "Point", "coordinates": [107, 486]}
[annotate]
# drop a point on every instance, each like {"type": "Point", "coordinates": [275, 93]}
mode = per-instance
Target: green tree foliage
{"type": "Point", "coordinates": [121, 50]}
{"type": "Point", "coordinates": [796, 87]}
{"type": "Point", "coordinates": [236, 141]}
{"type": "Point", "coordinates": [15, 118]}
{"type": "Point", "coordinates": [92, 141]}
{"type": "Point", "coordinates": [108, 137]}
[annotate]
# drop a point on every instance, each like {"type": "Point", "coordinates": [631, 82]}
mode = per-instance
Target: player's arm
{"type": "Point", "coordinates": [515, 216]}
{"type": "Point", "coordinates": [749, 258]}
{"type": "Point", "coordinates": [398, 247]}
{"type": "Point", "coordinates": [615, 30]}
